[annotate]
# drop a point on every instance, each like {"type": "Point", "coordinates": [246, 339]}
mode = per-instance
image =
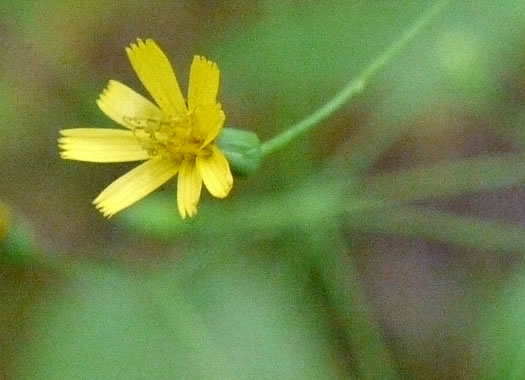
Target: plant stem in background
{"type": "Point", "coordinates": [338, 272]}
{"type": "Point", "coordinates": [356, 85]}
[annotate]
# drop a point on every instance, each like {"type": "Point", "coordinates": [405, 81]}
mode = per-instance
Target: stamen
{"type": "Point", "coordinates": [165, 137]}
{"type": "Point", "coordinates": [147, 124]}
{"type": "Point", "coordinates": [152, 152]}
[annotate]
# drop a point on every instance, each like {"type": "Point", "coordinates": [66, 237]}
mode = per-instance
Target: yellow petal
{"type": "Point", "coordinates": [204, 83]}
{"type": "Point", "coordinates": [189, 187]}
{"type": "Point", "coordinates": [207, 122]}
{"type": "Point", "coordinates": [215, 172]}
{"type": "Point", "coordinates": [100, 145]}
{"type": "Point", "coordinates": [125, 106]}
{"type": "Point", "coordinates": [135, 185]}
{"type": "Point", "coordinates": [156, 74]}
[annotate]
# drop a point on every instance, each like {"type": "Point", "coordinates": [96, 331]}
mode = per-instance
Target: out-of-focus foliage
{"type": "Point", "coordinates": [112, 323]}
{"type": "Point", "coordinates": [386, 244]}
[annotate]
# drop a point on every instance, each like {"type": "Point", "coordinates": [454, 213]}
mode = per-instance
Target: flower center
{"type": "Point", "coordinates": [166, 137]}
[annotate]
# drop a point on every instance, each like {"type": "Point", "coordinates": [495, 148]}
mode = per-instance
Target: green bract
{"type": "Point", "coordinates": [242, 149]}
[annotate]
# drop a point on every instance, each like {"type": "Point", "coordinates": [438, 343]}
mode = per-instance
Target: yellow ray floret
{"type": "Point", "coordinates": [204, 83]}
{"type": "Point", "coordinates": [189, 187]}
{"type": "Point", "coordinates": [135, 185]}
{"type": "Point", "coordinates": [169, 136]}
{"type": "Point", "coordinates": [121, 104]}
{"type": "Point", "coordinates": [156, 74]}
{"type": "Point", "coordinates": [100, 145]}
{"type": "Point", "coordinates": [215, 173]}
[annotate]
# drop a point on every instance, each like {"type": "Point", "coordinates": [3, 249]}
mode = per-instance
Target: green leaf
{"type": "Point", "coordinates": [502, 343]}
{"type": "Point", "coordinates": [234, 318]}
{"type": "Point", "coordinates": [450, 178]}
{"type": "Point", "coordinates": [442, 226]}
{"type": "Point", "coordinates": [103, 325]}
{"type": "Point", "coordinates": [340, 278]}
{"type": "Point", "coordinates": [310, 204]}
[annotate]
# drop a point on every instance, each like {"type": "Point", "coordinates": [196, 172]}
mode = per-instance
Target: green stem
{"type": "Point", "coordinates": [355, 86]}
{"type": "Point", "coordinates": [340, 277]}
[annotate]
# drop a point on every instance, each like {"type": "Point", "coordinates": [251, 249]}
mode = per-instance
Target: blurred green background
{"type": "Point", "coordinates": [386, 244]}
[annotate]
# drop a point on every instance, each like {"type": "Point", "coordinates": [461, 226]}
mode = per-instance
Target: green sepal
{"type": "Point", "coordinates": [242, 149]}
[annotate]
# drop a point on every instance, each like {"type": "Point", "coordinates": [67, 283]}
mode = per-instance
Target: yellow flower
{"type": "Point", "coordinates": [171, 137]}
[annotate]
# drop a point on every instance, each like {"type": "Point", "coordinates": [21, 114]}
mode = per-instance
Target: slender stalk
{"type": "Point", "coordinates": [356, 85]}
{"type": "Point", "coordinates": [338, 272]}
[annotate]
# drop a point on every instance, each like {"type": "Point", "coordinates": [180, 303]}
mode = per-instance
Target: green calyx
{"type": "Point", "coordinates": [242, 149]}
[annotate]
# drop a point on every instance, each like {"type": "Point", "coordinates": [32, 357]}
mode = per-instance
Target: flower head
{"type": "Point", "coordinates": [171, 137]}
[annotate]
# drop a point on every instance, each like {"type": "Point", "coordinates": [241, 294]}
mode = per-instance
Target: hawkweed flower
{"type": "Point", "coordinates": [171, 137]}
